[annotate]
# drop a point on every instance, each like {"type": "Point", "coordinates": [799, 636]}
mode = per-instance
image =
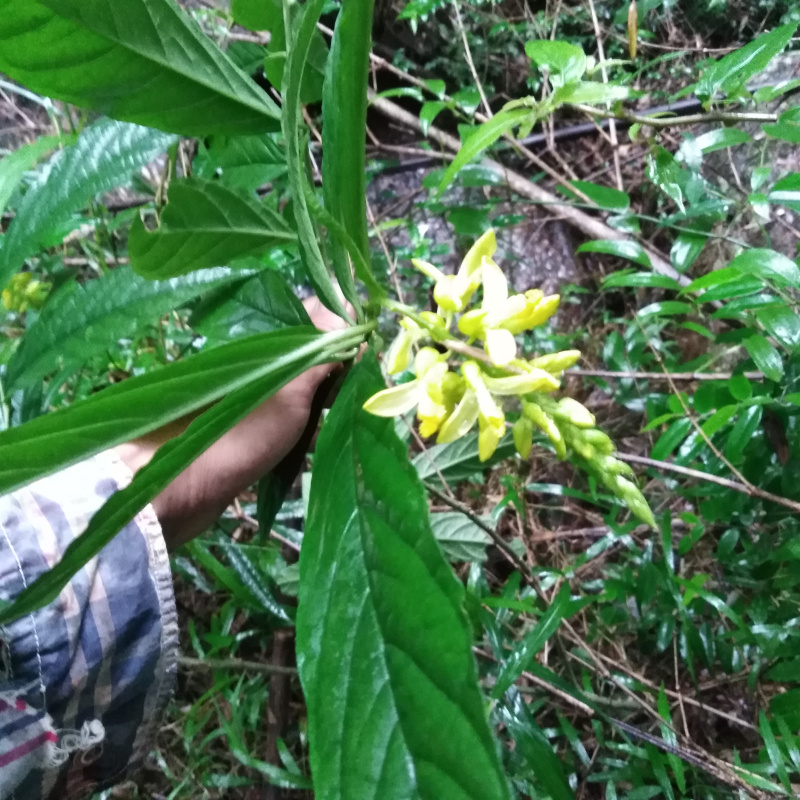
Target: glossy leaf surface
{"type": "Point", "coordinates": [205, 224]}
{"type": "Point", "coordinates": [105, 156]}
{"type": "Point", "coordinates": [142, 61]}
{"type": "Point", "coordinates": [136, 406]}
{"type": "Point", "coordinates": [81, 320]}
{"type": "Point", "coordinates": [394, 709]}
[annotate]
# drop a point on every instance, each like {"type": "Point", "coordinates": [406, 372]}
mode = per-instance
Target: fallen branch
{"type": "Point", "coordinates": [588, 225]}
{"type": "Point", "coordinates": [668, 122]}
{"type": "Point", "coordinates": [750, 491]}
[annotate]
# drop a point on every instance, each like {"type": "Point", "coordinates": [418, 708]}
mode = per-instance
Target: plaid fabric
{"type": "Point", "coordinates": [85, 680]}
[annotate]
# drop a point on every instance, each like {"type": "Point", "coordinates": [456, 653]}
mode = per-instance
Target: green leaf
{"type": "Point", "coordinates": [622, 248]}
{"type": "Point", "coordinates": [765, 356]}
{"type": "Point", "coordinates": [769, 265]}
{"type": "Point", "coordinates": [607, 198]}
{"type": "Point", "coordinates": [670, 439]}
{"type": "Point", "coordinates": [82, 320]}
{"type": "Point", "coordinates": [16, 164]}
{"type": "Point", "coordinates": [139, 405]}
{"type": "Point", "coordinates": [591, 92]}
{"type": "Point", "coordinates": [666, 308]}
{"type": "Point", "coordinates": [686, 249]}
{"type": "Point", "coordinates": [782, 323]}
{"type": "Point", "coordinates": [145, 61]}
{"type": "Point", "coordinates": [525, 651]}
{"type": "Point", "coordinates": [205, 224]}
{"type": "Point", "coordinates": [169, 462]}
{"type": "Point", "coordinates": [628, 278]}
{"type": "Point", "coordinates": [384, 645]}
{"type": "Point", "coordinates": [429, 112]}
{"type": "Point", "coordinates": [105, 156]}
{"type": "Point", "coordinates": [721, 138]}
{"type": "Point", "coordinates": [344, 124]}
{"type": "Point", "coordinates": [786, 192]}
{"type": "Point", "coordinates": [562, 60]}
{"type": "Point", "coordinates": [742, 433]}
{"type": "Point", "coordinates": [458, 460]}
{"type": "Point", "coordinates": [733, 71]}
{"type": "Point", "coordinates": [244, 161]}
{"type": "Point", "coordinates": [485, 136]}
{"type": "Point", "coordinates": [784, 131]}
{"type": "Point", "coordinates": [261, 304]}
{"type": "Point", "coordinates": [773, 751]}
{"type": "Point", "coordinates": [460, 538]}
{"type": "Point", "coordinates": [258, 15]}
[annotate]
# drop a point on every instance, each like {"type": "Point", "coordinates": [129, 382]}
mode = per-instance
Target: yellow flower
{"type": "Point", "coordinates": [557, 362]}
{"type": "Point", "coordinates": [23, 291]}
{"type": "Point", "coordinates": [453, 292]}
{"type": "Point", "coordinates": [491, 419]}
{"type": "Point", "coordinates": [433, 393]}
{"type": "Point", "coordinates": [536, 414]}
{"type": "Point", "coordinates": [501, 316]}
{"type": "Point", "coordinates": [398, 356]}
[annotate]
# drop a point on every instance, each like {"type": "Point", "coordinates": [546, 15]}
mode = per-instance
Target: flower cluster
{"type": "Point", "coordinates": [450, 403]}
{"type": "Point", "coordinates": [23, 292]}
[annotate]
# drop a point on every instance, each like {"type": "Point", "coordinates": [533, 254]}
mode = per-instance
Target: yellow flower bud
{"type": "Point", "coordinates": [575, 413]}
{"type": "Point", "coordinates": [548, 425]}
{"type": "Point", "coordinates": [491, 433]}
{"type": "Point", "coordinates": [523, 436]}
{"type": "Point", "coordinates": [536, 380]}
{"type": "Point", "coordinates": [557, 362]}
{"type": "Point", "coordinates": [600, 441]}
{"type": "Point", "coordinates": [485, 247]}
{"type": "Point", "coordinates": [398, 356]}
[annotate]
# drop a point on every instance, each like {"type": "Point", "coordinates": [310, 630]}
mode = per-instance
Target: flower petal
{"type": "Point", "coordinates": [398, 356]}
{"type": "Point", "coordinates": [537, 380]}
{"type": "Point", "coordinates": [557, 362]}
{"type": "Point", "coordinates": [495, 285]}
{"type": "Point", "coordinates": [485, 247]}
{"type": "Point", "coordinates": [395, 401]}
{"type": "Point", "coordinates": [501, 346]}
{"type": "Point", "coordinates": [462, 420]}
{"type": "Point", "coordinates": [487, 405]}
{"type": "Point", "coordinates": [426, 359]}
{"type": "Point", "coordinates": [434, 273]}
{"type": "Point", "coordinates": [489, 438]}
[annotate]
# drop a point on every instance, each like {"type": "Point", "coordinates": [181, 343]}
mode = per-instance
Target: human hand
{"type": "Point", "coordinates": [238, 459]}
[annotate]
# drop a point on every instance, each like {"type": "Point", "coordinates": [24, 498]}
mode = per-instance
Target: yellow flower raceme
{"type": "Point", "coordinates": [453, 292]}
{"type": "Point", "coordinates": [24, 291]}
{"type": "Point", "coordinates": [501, 316]}
{"type": "Point", "coordinates": [398, 356]}
{"type": "Point", "coordinates": [434, 393]}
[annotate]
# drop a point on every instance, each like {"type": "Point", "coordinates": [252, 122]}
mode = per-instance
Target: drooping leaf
{"type": "Point", "coordinates": [721, 138]}
{"type": "Point", "coordinates": [244, 161]}
{"type": "Point", "coordinates": [485, 136]}
{"type": "Point", "coordinates": [169, 462]}
{"type": "Point", "coordinates": [565, 62]}
{"type": "Point", "coordinates": [769, 265]}
{"type": "Point", "coordinates": [604, 196]}
{"type": "Point", "coordinates": [785, 131]}
{"type": "Point", "coordinates": [16, 164]}
{"type": "Point", "coordinates": [382, 672]}
{"type": "Point", "coordinates": [733, 71]}
{"type": "Point", "coordinates": [765, 356]}
{"type": "Point", "coordinates": [782, 323]}
{"type": "Point", "coordinates": [460, 538]}
{"type": "Point", "coordinates": [344, 121]}
{"type": "Point", "coordinates": [205, 224]}
{"type": "Point", "coordinates": [142, 61]}
{"type": "Point", "coordinates": [105, 156]}
{"type": "Point", "coordinates": [261, 304]}
{"type": "Point", "coordinates": [429, 112]}
{"type": "Point", "coordinates": [81, 320]}
{"type": "Point", "coordinates": [147, 402]}
{"type": "Point", "coordinates": [622, 248]}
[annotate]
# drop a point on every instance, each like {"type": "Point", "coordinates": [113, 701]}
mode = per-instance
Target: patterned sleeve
{"type": "Point", "coordinates": [85, 680]}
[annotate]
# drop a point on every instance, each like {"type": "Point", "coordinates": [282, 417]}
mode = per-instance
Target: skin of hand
{"type": "Point", "coordinates": [254, 447]}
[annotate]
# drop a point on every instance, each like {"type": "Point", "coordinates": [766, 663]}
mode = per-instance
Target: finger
{"type": "Point", "coordinates": [323, 318]}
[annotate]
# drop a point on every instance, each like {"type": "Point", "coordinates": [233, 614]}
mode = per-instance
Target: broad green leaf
{"type": "Point", "coordinates": [765, 356]}
{"type": "Point", "coordinates": [460, 538]}
{"type": "Point", "coordinates": [139, 405]}
{"type": "Point", "coordinates": [169, 462]}
{"type": "Point", "coordinates": [82, 320]}
{"type": "Point", "coordinates": [622, 248]}
{"type": "Point", "coordinates": [686, 249]}
{"type": "Point", "coordinates": [142, 61]}
{"type": "Point", "coordinates": [720, 278]}
{"type": "Point", "coordinates": [782, 323]}
{"type": "Point", "coordinates": [785, 131]}
{"type": "Point", "coordinates": [604, 196]}
{"type": "Point", "coordinates": [244, 161]}
{"type": "Point", "coordinates": [525, 650]}
{"type": "Point", "coordinates": [383, 643]}
{"type": "Point", "coordinates": [429, 112]}
{"type": "Point", "coordinates": [260, 304]}
{"type": "Point", "coordinates": [205, 224]}
{"type": "Point", "coordinates": [105, 156]}
{"type": "Point", "coordinates": [786, 192]}
{"type": "Point", "coordinates": [16, 164]}
{"type": "Point", "coordinates": [565, 62]}
{"type": "Point", "coordinates": [721, 138]}
{"type": "Point", "coordinates": [629, 278]}
{"type": "Point", "coordinates": [458, 460]}
{"type": "Point", "coordinates": [666, 308]}
{"type": "Point", "coordinates": [732, 72]}
{"type": "Point", "coordinates": [485, 136]}
{"type": "Point", "coordinates": [769, 265]}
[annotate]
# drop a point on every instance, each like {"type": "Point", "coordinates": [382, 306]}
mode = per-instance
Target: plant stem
{"type": "Point", "coordinates": [668, 122]}
{"type": "Point", "coordinates": [660, 376]}
{"type": "Point", "coordinates": [230, 664]}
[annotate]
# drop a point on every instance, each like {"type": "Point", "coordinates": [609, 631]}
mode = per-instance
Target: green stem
{"type": "Point", "coordinates": [667, 122]}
